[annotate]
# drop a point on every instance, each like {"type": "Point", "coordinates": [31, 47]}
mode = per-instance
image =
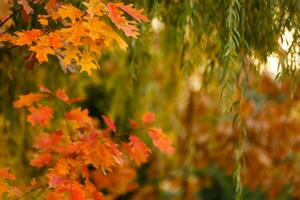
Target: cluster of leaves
{"type": "Point", "coordinates": [271, 147]}
{"type": "Point", "coordinates": [83, 35]}
{"type": "Point", "coordinates": [80, 159]}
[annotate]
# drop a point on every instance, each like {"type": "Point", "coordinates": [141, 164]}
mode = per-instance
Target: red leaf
{"type": "Point", "coordinates": [47, 141]}
{"type": "Point", "coordinates": [116, 14]}
{"type": "Point", "coordinates": [109, 122]}
{"type": "Point", "coordinates": [41, 160]}
{"type": "Point", "coordinates": [27, 99]}
{"type": "Point", "coordinates": [161, 141]}
{"type": "Point", "coordinates": [135, 13]}
{"type": "Point", "coordinates": [40, 115]}
{"type": "Point", "coordinates": [133, 124]}
{"type": "Point", "coordinates": [138, 151]}
{"type": "Point", "coordinates": [61, 94]}
{"type": "Point", "coordinates": [148, 118]}
{"type": "Point", "coordinates": [4, 174]}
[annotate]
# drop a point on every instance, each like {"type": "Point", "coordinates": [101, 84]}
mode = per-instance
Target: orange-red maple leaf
{"type": "Point", "coordinates": [161, 141]}
{"type": "Point", "coordinates": [27, 99]}
{"type": "Point", "coordinates": [40, 115]}
{"type": "Point", "coordinates": [80, 116]}
{"type": "Point", "coordinates": [148, 117]}
{"type": "Point", "coordinates": [5, 174]}
{"type": "Point", "coordinates": [26, 37]}
{"type": "Point", "coordinates": [116, 14]}
{"type": "Point", "coordinates": [48, 141]}
{"type": "Point", "coordinates": [61, 94]}
{"type": "Point", "coordinates": [137, 150]}
{"type": "Point", "coordinates": [109, 122]}
{"type": "Point", "coordinates": [41, 160]}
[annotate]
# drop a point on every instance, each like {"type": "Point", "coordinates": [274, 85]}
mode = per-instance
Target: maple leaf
{"type": "Point", "coordinates": [55, 40]}
{"type": "Point", "coordinates": [42, 49]}
{"type": "Point", "coordinates": [70, 53]}
{"type": "Point", "coordinates": [81, 116]}
{"type": "Point", "coordinates": [148, 117]}
{"type": "Point", "coordinates": [109, 122]}
{"type": "Point", "coordinates": [135, 13]}
{"type": "Point", "coordinates": [160, 140]}
{"type": "Point", "coordinates": [116, 14]}
{"type": "Point", "coordinates": [26, 37]}
{"type": "Point", "coordinates": [87, 62]}
{"type": "Point", "coordinates": [138, 151]}
{"type": "Point", "coordinates": [27, 99]}
{"type": "Point", "coordinates": [40, 115]}
{"type": "Point", "coordinates": [74, 33]}
{"type": "Point", "coordinates": [48, 141]}
{"type": "Point", "coordinates": [61, 94]}
{"type": "Point", "coordinates": [5, 174]}
{"type": "Point", "coordinates": [94, 7]}
{"type": "Point", "coordinates": [68, 11]}
{"type": "Point", "coordinates": [54, 180]}
{"type": "Point", "coordinates": [62, 167]}
{"type": "Point", "coordinates": [41, 160]}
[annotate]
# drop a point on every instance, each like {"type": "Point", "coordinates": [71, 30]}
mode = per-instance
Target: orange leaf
{"type": "Point", "coordinates": [27, 37]}
{"type": "Point", "coordinates": [138, 151]}
{"type": "Point", "coordinates": [80, 116]}
{"type": "Point", "coordinates": [109, 122]}
{"type": "Point", "coordinates": [160, 140]}
{"type": "Point", "coordinates": [135, 13]}
{"type": "Point", "coordinates": [27, 99]}
{"type": "Point", "coordinates": [61, 94]}
{"type": "Point", "coordinates": [62, 167]}
{"type": "Point", "coordinates": [4, 174]}
{"type": "Point", "coordinates": [116, 14]}
{"type": "Point", "coordinates": [41, 160]}
{"type": "Point", "coordinates": [40, 115]}
{"type": "Point", "coordinates": [148, 117]}
{"type": "Point", "coordinates": [47, 141]}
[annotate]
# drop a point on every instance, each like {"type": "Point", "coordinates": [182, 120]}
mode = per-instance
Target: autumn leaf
{"type": "Point", "coordinates": [80, 116]}
{"type": "Point", "coordinates": [62, 167]}
{"type": "Point", "coordinates": [40, 115]}
{"type": "Point", "coordinates": [133, 124]}
{"type": "Point", "coordinates": [41, 160]}
{"type": "Point", "coordinates": [87, 62]}
{"type": "Point", "coordinates": [94, 7]}
{"type": "Point", "coordinates": [137, 150]}
{"type": "Point", "coordinates": [116, 14]}
{"type": "Point", "coordinates": [61, 94]}
{"type": "Point", "coordinates": [68, 11]}
{"type": "Point", "coordinates": [48, 141]}
{"type": "Point", "coordinates": [161, 141]}
{"type": "Point", "coordinates": [135, 13]}
{"type": "Point", "coordinates": [27, 99]}
{"type": "Point", "coordinates": [42, 49]}
{"type": "Point", "coordinates": [26, 37]}
{"type": "Point", "coordinates": [148, 117]}
{"type": "Point", "coordinates": [109, 122]}
{"type": "Point", "coordinates": [5, 174]}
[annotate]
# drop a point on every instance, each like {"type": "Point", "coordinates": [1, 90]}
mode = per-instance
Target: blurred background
{"type": "Point", "coordinates": [222, 76]}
